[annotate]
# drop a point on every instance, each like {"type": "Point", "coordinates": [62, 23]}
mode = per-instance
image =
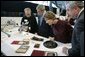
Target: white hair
{"type": "Point", "coordinates": [72, 4]}
{"type": "Point", "coordinates": [41, 7]}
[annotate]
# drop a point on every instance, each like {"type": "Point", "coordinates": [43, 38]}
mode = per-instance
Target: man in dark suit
{"type": "Point", "coordinates": [43, 28]}
{"type": "Point", "coordinates": [76, 9]}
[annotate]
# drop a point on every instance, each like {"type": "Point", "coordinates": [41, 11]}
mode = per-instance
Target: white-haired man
{"type": "Point", "coordinates": [75, 9]}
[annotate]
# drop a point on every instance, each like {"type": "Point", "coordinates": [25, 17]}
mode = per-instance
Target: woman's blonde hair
{"type": "Point", "coordinates": [49, 15]}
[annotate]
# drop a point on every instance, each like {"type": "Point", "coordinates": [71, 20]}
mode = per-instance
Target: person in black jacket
{"type": "Point", "coordinates": [30, 19]}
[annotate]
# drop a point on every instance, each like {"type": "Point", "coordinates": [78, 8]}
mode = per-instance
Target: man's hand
{"type": "Point", "coordinates": [51, 38]}
{"type": "Point", "coordinates": [36, 34]}
{"type": "Point", "coordinates": [65, 50]}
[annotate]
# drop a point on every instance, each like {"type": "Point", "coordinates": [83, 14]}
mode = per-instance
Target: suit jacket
{"type": "Point", "coordinates": [78, 29]}
{"type": "Point", "coordinates": [82, 43]}
{"type": "Point", "coordinates": [45, 30]}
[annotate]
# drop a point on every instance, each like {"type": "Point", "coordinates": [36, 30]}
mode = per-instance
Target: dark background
{"type": "Point", "coordinates": [15, 8]}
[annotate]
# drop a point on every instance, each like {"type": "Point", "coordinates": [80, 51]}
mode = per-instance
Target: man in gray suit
{"type": "Point", "coordinates": [76, 10]}
{"type": "Point", "coordinates": [82, 43]}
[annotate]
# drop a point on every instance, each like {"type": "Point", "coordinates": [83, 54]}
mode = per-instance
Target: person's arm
{"type": "Point", "coordinates": [22, 20]}
{"type": "Point", "coordinates": [68, 30]}
{"type": "Point", "coordinates": [34, 24]}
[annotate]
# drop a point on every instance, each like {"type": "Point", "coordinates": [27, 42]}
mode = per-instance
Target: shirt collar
{"type": "Point", "coordinates": [80, 12]}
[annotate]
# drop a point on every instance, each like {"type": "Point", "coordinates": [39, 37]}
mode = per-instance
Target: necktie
{"type": "Point", "coordinates": [39, 22]}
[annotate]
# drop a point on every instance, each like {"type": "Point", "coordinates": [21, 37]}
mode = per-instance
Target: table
{"type": "Point", "coordinates": [9, 50]}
